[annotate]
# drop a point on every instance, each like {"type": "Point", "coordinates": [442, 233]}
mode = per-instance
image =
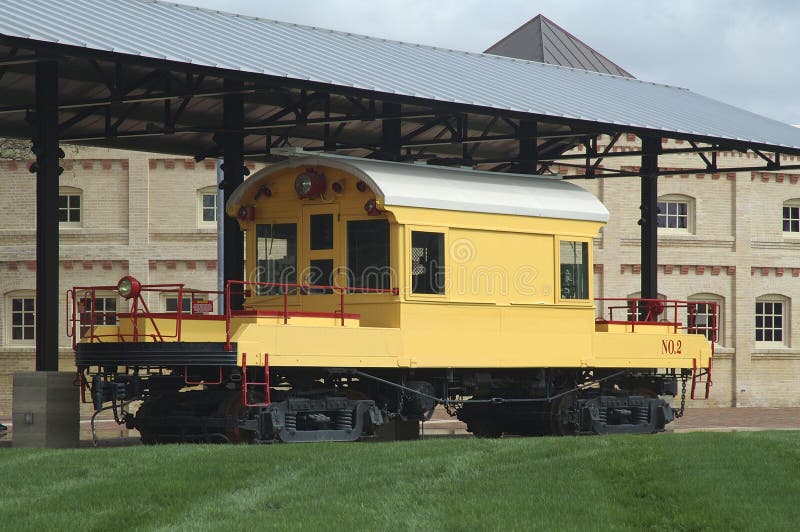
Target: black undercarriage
{"type": "Point", "coordinates": [206, 403]}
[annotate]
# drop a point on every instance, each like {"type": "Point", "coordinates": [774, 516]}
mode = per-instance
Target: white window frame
{"type": "Point", "coordinates": [690, 214]}
{"type": "Point", "coordinates": [10, 313]}
{"type": "Point", "coordinates": [105, 297]}
{"type": "Point", "coordinates": [187, 303]}
{"type": "Point", "coordinates": [71, 192]}
{"type": "Point", "coordinates": [766, 317]}
{"type": "Point", "coordinates": [792, 204]}
{"type": "Point", "coordinates": [720, 301]}
{"type": "Point", "coordinates": [201, 207]}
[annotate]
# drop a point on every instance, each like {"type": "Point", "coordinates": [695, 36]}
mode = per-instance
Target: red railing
{"type": "Point", "coordinates": [292, 289]}
{"type": "Point", "coordinates": [82, 312]}
{"type": "Point", "coordinates": [79, 316]}
{"type": "Point", "coordinates": [691, 317]}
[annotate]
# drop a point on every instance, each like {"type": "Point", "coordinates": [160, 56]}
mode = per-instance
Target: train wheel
{"type": "Point", "coordinates": [562, 416]}
{"type": "Point", "coordinates": [232, 407]}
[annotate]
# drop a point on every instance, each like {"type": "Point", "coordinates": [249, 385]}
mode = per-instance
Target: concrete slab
{"type": "Point", "coordinates": [45, 410]}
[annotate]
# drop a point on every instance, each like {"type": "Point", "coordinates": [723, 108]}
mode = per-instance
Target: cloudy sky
{"type": "Point", "coordinates": [743, 52]}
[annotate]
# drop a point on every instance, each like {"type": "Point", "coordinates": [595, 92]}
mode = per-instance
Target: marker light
{"type": "Point", "coordinates": [309, 184]}
{"type": "Point", "coordinates": [128, 287]}
{"type": "Point", "coordinates": [371, 206]}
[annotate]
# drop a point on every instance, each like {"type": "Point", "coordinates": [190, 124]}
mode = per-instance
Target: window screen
{"type": "Point", "coordinates": [368, 254]}
{"type": "Point", "coordinates": [276, 257]}
{"type": "Point", "coordinates": [427, 262]}
{"type": "Point", "coordinates": [574, 269]}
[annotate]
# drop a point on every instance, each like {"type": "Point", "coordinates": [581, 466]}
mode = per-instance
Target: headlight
{"type": "Point", "coordinates": [309, 184]}
{"type": "Point", "coordinates": [302, 185]}
{"type": "Point", "coordinates": [128, 287]}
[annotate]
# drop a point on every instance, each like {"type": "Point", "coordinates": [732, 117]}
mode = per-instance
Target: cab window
{"type": "Point", "coordinates": [427, 262]}
{"type": "Point", "coordinates": [574, 269]}
{"type": "Point", "coordinates": [276, 256]}
{"type": "Point", "coordinates": [368, 254]}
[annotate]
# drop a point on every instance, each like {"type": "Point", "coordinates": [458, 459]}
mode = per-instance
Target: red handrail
{"type": "Point", "coordinates": [640, 311]}
{"type": "Point", "coordinates": [139, 308]}
{"type": "Point", "coordinates": [285, 289]}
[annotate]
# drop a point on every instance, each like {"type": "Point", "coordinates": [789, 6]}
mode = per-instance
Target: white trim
{"type": "Point", "coordinates": [690, 214]}
{"type": "Point", "coordinates": [793, 203]}
{"type": "Point", "coordinates": [784, 328]}
{"type": "Point", "coordinates": [201, 193]}
{"type": "Point", "coordinates": [69, 192]}
{"type": "Point", "coordinates": [9, 337]}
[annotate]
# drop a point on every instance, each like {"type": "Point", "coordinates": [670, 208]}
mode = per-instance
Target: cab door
{"type": "Point", "coordinates": [320, 233]}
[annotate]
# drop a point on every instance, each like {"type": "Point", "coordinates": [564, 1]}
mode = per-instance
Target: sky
{"type": "Point", "coordinates": [742, 52]}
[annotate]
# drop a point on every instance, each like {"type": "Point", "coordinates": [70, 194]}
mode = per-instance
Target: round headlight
{"type": "Point", "coordinates": [128, 287]}
{"type": "Point", "coordinates": [302, 185]}
{"type": "Point", "coordinates": [309, 184]}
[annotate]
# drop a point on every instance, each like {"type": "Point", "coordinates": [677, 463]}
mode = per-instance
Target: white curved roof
{"type": "Point", "coordinates": [455, 189]}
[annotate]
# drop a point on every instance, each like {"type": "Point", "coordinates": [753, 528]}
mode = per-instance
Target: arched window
{"type": "Point", "coordinates": [70, 206]}
{"type": "Point", "coordinates": [772, 320]}
{"type": "Point", "coordinates": [791, 217]}
{"type": "Point", "coordinates": [207, 206]}
{"type": "Point", "coordinates": [703, 318]}
{"type": "Point", "coordinates": [21, 317]}
{"type": "Point", "coordinates": [676, 213]}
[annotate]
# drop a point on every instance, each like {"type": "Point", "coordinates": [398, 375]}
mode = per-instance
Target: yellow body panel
{"type": "Point", "coordinates": [502, 305]}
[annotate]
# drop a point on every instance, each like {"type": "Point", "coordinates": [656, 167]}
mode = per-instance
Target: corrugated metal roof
{"type": "Point", "coordinates": [453, 189]}
{"type": "Point", "coordinates": [541, 39]}
{"type": "Point", "coordinates": [189, 34]}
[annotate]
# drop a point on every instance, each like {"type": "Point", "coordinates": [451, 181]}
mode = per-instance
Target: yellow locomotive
{"type": "Point", "coordinates": [376, 290]}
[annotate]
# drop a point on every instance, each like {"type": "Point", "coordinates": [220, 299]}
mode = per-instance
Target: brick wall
{"type": "Point", "coordinates": [139, 217]}
{"type": "Point", "coordinates": [737, 252]}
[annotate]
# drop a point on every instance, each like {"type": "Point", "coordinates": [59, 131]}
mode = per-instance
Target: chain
{"type": "Point", "coordinates": [679, 412]}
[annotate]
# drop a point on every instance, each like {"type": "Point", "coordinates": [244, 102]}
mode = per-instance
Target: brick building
{"type": "Point", "coordinates": [122, 213]}
{"type": "Point", "coordinates": [733, 238]}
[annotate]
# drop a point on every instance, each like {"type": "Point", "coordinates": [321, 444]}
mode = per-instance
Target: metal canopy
{"type": "Point", "coordinates": [155, 76]}
{"type": "Point", "coordinates": [150, 76]}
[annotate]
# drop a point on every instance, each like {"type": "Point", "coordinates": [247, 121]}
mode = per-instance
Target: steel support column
{"type": "Point", "coordinates": [391, 138]}
{"type": "Point", "coordinates": [649, 219]}
{"type": "Point", "coordinates": [234, 170]}
{"type": "Point", "coordinates": [47, 153]}
{"type": "Point", "coordinates": [528, 147]}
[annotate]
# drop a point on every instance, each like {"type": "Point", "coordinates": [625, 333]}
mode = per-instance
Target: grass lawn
{"type": "Point", "coordinates": [695, 481]}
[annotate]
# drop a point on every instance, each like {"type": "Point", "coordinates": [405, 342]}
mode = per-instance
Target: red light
{"type": "Point", "coordinates": [247, 214]}
{"type": "Point", "coordinates": [371, 206]}
{"type": "Point", "coordinates": [128, 287]}
{"type": "Point", "coordinates": [264, 191]}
